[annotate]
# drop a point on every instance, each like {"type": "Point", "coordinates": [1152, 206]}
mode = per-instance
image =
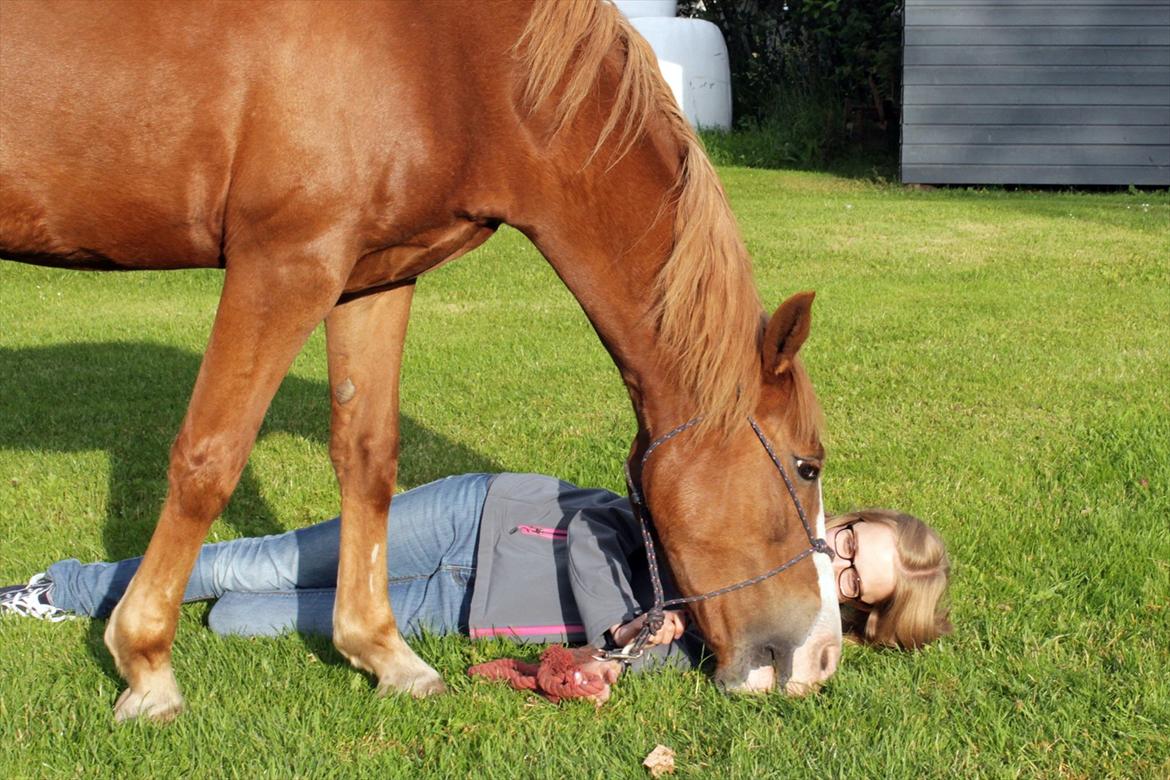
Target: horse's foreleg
{"type": "Point", "coordinates": [365, 338]}
{"type": "Point", "coordinates": [262, 322]}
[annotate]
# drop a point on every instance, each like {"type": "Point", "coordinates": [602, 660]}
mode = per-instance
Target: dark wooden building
{"type": "Point", "coordinates": [1036, 92]}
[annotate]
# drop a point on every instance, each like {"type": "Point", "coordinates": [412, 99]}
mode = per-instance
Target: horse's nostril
{"type": "Point", "coordinates": [829, 656]}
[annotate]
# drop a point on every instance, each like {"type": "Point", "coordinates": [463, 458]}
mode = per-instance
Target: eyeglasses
{"type": "Point", "coordinates": [845, 545]}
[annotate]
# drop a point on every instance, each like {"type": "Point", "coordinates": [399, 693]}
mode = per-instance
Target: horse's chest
{"type": "Point", "coordinates": [417, 254]}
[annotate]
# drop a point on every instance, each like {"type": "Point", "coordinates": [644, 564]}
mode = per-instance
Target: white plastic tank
{"type": "Point", "coordinates": [635, 8]}
{"type": "Point", "coordinates": [692, 57]}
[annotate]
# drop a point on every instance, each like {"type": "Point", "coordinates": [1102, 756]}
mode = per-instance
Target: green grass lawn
{"type": "Point", "coordinates": [996, 363]}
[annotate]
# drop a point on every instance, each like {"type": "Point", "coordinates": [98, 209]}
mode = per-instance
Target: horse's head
{"type": "Point", "coordinates": [725, 514]}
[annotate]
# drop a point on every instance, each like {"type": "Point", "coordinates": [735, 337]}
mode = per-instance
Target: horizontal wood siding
{"type": "Point", "coordinates": [1055, 94]}
{"type": "Point", "coordinates": [1042, 75]}
{"type": "Point", "coordinates": [1037, 154]}
{"type": "Point", "coordinates": [988, 135]}
{"type": "Point", "coordinates": [1036, 92]}
{"type": "Point", "coordinates": [1112, 56]}
{"type": "Point", "coordinates": [1038, 115]}
{"type": "Point", "coordinates": [1034, 36]}
{"type": "Point", "coordinates": [1139, 175]}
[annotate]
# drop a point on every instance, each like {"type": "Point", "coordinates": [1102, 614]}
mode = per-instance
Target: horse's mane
{"type": "Point", "coordinates": [707, 311]}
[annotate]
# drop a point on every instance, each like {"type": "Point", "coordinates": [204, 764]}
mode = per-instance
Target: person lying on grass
{"type": "Point", "coordinates": [515, 555]}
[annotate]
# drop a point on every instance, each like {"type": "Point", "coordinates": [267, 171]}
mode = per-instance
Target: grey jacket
{"type": "Point", "coordinates": [559, 563]}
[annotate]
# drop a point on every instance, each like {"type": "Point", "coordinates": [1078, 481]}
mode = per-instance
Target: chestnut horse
{"type": "Point", "coordinates": [325, 155]}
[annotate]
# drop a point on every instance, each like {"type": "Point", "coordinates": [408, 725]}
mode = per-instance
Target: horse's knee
{"type": "Point", "coordinates": [366, 465]}
{"type": "Point", "coordinates": [202, 475]}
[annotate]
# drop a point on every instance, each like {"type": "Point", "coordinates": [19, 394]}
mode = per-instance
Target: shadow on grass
{"type": "Point", "coordinates": [128, 399]}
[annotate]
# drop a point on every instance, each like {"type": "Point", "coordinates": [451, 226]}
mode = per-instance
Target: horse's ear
{"type": "Point", "coordinates": [787, 331]}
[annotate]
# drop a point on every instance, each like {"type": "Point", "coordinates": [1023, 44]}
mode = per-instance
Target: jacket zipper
{"type": "Point", "coordinates": [541, 531]}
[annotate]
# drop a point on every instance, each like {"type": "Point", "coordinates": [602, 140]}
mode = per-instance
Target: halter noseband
{"type": "Point", "coordinates": [655, 615]}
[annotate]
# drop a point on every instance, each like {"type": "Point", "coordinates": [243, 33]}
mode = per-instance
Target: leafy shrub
{"type": "Point", "coordinates": [814, 74]}
{"type": "Point", "coordinates": [801, 123]}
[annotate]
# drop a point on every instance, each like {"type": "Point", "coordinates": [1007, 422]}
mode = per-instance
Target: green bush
{"type": "Point", "coordinates": [857, 46]}
{"type": "Point", "coordinates": [801, 123]}
{"type": "Point", "coordinates": [816, 75]}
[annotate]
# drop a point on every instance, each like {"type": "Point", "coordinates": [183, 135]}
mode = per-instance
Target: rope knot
{"type": "Point", "coordinates": [557, 676]}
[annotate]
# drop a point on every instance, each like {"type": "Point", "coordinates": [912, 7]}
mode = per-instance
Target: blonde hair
{"type": "Point", "coordinates": [916, 613]}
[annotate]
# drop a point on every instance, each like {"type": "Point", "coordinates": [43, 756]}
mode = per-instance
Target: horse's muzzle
{"type": "Point", "coordinates": [773, 667]}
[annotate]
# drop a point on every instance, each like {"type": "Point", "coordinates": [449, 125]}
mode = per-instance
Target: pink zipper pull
{"type": "Point", "coordinates": [544, 533]}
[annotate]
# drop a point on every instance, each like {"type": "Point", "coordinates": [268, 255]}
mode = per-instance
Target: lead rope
{"type": "Point", "coordinates": [656, 614]}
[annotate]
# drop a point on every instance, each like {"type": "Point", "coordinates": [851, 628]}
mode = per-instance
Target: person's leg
{"type": "Point", "coordinates": [428, 525]}
{"type": "Point", "coordinates": [304, 558]}
{"type": "Point", "coordinates": [431, 542]}
{"type": "Point", "coordinates": [305, 611]}
{"type": "Point", "coordinates": [436, 604]}
{"type": "Point", "coordinates": [431, 545]}
{"type": "Point", "coordinates": [434, 525]}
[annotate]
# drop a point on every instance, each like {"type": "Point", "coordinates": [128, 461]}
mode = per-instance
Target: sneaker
{"type": "Point", "coordinates": [32, 600]}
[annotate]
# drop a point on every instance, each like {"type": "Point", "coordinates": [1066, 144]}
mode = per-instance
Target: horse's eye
{"type": "Point", "coordinates": [807, 471]}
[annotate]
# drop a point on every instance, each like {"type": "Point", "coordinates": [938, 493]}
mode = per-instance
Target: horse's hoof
{"type": "Point", "coordinates": [419, 683]}
{"type": "Point", "coordinates": [154, 705]}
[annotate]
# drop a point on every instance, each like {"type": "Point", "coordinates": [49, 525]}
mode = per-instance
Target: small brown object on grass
{"type": "Point", "coordinates": [660, 761]}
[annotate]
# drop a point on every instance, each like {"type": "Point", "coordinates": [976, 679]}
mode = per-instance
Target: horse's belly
{"type": "Point", "coordinates": [113, 233]}
{"type": "Point", "coordinates": [64, 207]}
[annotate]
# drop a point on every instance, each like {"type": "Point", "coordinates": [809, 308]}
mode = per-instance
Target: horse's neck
{"type": "Point", "coordinates": [607, 234]}
{"type": "Point", "coordinates": [595, 183]}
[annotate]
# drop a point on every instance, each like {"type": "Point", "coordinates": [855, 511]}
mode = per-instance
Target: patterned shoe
{"type": "Point", "coordinates": [32, 600]}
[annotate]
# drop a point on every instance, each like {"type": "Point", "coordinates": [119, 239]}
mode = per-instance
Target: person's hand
{"type": "Point", "coordinates": [673, 624]}
{"type": "Point", "coordinates": [607, 671]}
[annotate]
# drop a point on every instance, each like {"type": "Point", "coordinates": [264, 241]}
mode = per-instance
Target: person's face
{"type": "Point", "coordinates": [865, 563]}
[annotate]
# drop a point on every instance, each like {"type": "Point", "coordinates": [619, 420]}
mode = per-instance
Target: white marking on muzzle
{"type": "Point", "coordinates": [830, 613]}
{"type": "Point", "coordinates": [826, 629]}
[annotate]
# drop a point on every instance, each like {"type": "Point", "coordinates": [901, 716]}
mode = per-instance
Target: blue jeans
{"type": "Point", "coordinates": [287, 582]}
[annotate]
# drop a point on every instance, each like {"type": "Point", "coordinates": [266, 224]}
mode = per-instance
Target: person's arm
{"type": "Point", "coordinates": [599, 545]}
